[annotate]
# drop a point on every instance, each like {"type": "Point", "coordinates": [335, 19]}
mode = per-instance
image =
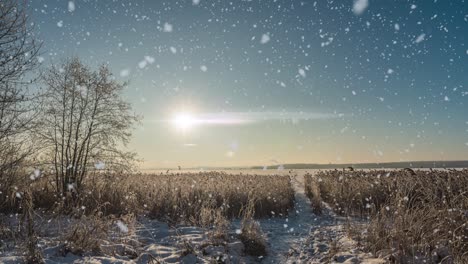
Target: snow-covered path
{"type": "Point", "coordinates": [304, 237]}
{"type": "Point", "coordinates": [287, 236]}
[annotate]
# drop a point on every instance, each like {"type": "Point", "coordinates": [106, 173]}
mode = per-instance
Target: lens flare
{"type": "Point", "coordinates": [183, 121]}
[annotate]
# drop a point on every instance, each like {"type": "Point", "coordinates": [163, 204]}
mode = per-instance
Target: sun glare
{"type": "Point", "coordinates": [183, 121]}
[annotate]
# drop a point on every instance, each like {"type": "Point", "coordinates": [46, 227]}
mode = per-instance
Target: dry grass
{"type": "Point", "coordinates": [205, 199]}
{"type": "Point", "coordinates": [420, 215]}
{"type": "Point", "coordinates": [251, 233]}
{"type": "Point", "coordinates": [191, 198]}
{"type": "Point", "coordinates": [312, 191]}
{"type": "Point", "coordinates": [85, 236]}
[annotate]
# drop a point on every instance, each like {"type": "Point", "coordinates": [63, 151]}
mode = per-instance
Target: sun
{"type": "Point", "coordinates": [183, 121]}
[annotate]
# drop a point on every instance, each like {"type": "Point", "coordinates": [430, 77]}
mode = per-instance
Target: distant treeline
{"type": "Point", "coordinates": [389, 165]}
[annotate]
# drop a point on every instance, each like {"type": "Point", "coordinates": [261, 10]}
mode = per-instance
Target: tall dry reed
{"type": "Point", "coordinates": [419, 215]}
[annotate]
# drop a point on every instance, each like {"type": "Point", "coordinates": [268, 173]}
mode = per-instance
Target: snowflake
{"type": "Point", "coordinates": [302, 73]}
{"type": "Point", "coordinates": [360, 6]}
{"type": "Point", "coordinates": [124, 72]}
{"type": "Point", "coordinates": [71, 6]}
{"type": "Point", "coordinates": [265, 39]}
{"type": "Point", "coordinates": [142, 64]}
{"type": "Point", "coordinates": [420, 38]}
{"type": "Point", "coordinates": [100, 165]}
{"type": "Point", "coordinates": [123, 227]}
{"type": "Point", "coordinates": [149, 59]}
{"type": "Point", "coordinates": [167, 27]}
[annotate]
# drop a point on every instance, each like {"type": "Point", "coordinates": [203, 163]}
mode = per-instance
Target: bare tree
{"type": "Point", "coordinates": [85, 123]}
{"type": "Point", "coordinates": [18, 55]}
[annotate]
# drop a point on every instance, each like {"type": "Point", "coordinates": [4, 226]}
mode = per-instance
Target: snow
{"type": "Point", "coordinates": [60, 24]}
{"type": "Point", "coordinates": [146, 60]}
{"type": "Point", "coordinates": [149, 59]}
{"type": "Point", "coordinates": [203, 68]}
{"type": "Point", "coordinates": [35, 175]}
{"type": "Point", "coordinates": [122, 226]}
{"type": "Point", "coordinates": [100, 165]}
{"type": "Point", "coordinates": [167, 27]}
{"type": "Point", "coordinates": [300, 237]}
{"type": "Point", "coordinates": [142, 64]}
{"type": "Point", "coordinates": [124, 73]}
{"type": "Point", "coordinates": [302, 73]}
{"type": "Point", "coordinates": [265, 38]}
{"type": "Point", "coordinates": [420, 38]}
{"type": "Point", "coordinates": [304, 237]}
{"type": "Point", "coordinates": [326, 43]}
{"type": "Point", "coordinates": [151, 240]}
{"type": "Point", "coordinates": [360, 6]}
{"type": "Point", "coordinates": [71, 6]}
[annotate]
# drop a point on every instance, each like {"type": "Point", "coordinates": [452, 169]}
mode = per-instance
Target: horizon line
{"type": "Point", "coordinates": [275, 166]}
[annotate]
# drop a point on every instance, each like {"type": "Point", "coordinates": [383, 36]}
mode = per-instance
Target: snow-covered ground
{"type": "Point", "coordinates": [301, 237]}
{"type": "Point", "coordinates": [146, 241]}
{"type": "Point", "coordinates": [304, 237]}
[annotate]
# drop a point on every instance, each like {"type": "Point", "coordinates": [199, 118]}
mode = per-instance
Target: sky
{"type": "Point", "coordinates": [265, 82]}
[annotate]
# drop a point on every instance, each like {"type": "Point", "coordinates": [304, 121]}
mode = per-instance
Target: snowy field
{"type": "Point", "coordinates": [92, 90]}
{"type": "Point", "coordinates": [299, 237]}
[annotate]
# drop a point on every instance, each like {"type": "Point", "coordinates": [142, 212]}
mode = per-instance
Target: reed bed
{"type": "Point", "coordinates": [190, 198]}
{"type": "Point", "coordinates": [415, 216]}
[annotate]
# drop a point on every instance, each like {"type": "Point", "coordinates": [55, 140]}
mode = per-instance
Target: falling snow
{"type": "Point", "coordinates": [265, 39]}
{"type": "Point", "coordinates": [167, 27]}
{"type": "Point", "coordinates": [420, 38]}
{"type": "Point", "coordinates": [122, 226]}
{"type": "Point", "coordinates": [71, 6]}
{"type": "Point", "coordinates": [360, 6]}
{"type": "Point", "coordinates": [302, 73]}
{"type": "Point", "coordinates": [100, 165]}
{"type": "Point", "coordinates": [124, 73]}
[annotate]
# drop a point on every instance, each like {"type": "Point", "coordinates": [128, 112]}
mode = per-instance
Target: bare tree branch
{"type": "Point", "coordinates": [84, 121]}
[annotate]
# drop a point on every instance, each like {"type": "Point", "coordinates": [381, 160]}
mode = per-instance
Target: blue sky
{"type": "Point", "coordinates": [308, 81]}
